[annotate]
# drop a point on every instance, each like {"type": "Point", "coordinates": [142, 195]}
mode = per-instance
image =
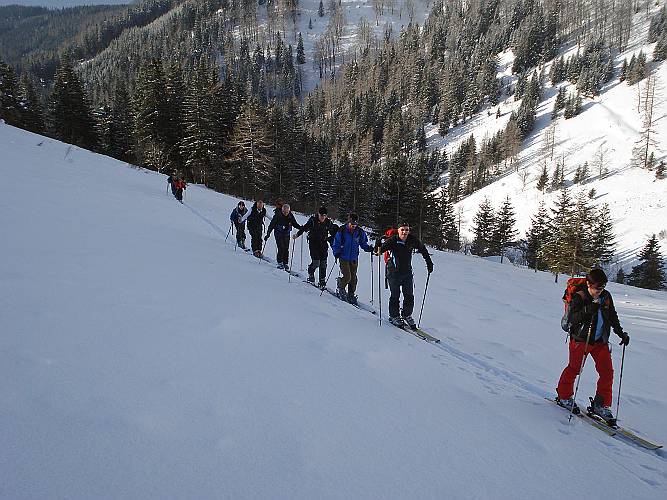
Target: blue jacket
{"type": "Point", "coordinates": [346, 245]}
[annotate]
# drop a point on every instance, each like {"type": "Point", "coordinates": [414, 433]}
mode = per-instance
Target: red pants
{"type": "Point", "coordinates": [602, 357]}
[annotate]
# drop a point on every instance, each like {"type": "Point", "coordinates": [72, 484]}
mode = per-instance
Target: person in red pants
{"type": "Point", "coordinates": [592, 316]}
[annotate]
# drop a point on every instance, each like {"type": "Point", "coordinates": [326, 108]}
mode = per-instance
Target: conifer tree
{"type": "Point", "coordinates": [320, 9]}
{"type": "Point", "coordinates": [9, 95]}
{"type": "Point", "coordinates": [504, 231]}
{"type": "Point", "coordinates": [603, 236]}
{"type": "Point", "coordinates": [650, 273]}
{"type": "Point", "coordinates": [483, 229]}
{"type": "Point", "coordinates": [543, 180]}
{"type": "Point", "coordinates": [120, 144]}
{"type": "Point", "coordinates": [151, 116]}
{"type": "Point", "coordinates": [249, 159]}
{"type": "Point", "coordinates": [300, 53]}
{"type": "Point", "coordinates": [71, 117]}
{"type": "Point", "coordinates": [198, 112]}
{"type": "Point", "coordinates": [537, 236]}
{"type": "Point", "coordinates": [620, 276]}
{"type": "Point", "coordinates": [32, 114]}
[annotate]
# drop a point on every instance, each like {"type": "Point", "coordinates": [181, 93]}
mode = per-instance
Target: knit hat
{"type": "Point", "coordinates": [322, 210]}
{"type": "Point", "coordinates": [597, 277]}
{"type": "Point", "coordinates": [352, 217]}
{"type": "Point", "coordinates": [403, 224]}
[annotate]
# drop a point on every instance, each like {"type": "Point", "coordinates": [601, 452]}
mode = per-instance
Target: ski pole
{"type": "Point", "coordinates": [428, 277]}
{"type": "Point", "coordinates": [301, 266]}
{"type": "Point", "coordinates": [620, 381]}
{"type": "Point", "coordinates": [581, 369]}
{"type": "Point", "coordinates": [328, 276]}
{"type": "Point", "coordinates": [262, 255]}
{"type": "Point", "coordinates": [372, 280]}
{"type": "Point", "coordinates": [291, 261]}
{"type": "Point", "coordinates": [228, 231]}
{"type": "Point", "coordinates": [379, 291]}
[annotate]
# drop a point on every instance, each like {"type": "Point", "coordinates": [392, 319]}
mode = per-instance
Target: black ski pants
{"type": "Point", "coordinates": [319, 261]}
{"type": "Point", "coordinates": [256, 238]}
{"type": "Point", "coordinates": [282, 242]}
{"type": "Point", "coordinates": [396, 283]}
{"type": "Point", "coordinates": [240, 232]}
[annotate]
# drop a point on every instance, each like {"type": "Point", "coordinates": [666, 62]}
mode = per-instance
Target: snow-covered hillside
{"type": "Point", "coordinates": [603, 134]}
{"type": "Point", "coordinates": [142, 357]}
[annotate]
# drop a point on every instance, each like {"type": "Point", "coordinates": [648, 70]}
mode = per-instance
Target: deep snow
{"type": "Point", "coordinates": [141, 356]}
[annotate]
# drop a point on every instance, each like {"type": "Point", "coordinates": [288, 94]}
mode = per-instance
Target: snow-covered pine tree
{"type": "Point", "coordinates": [650, 273]}
{"type": "Point", "coordinates": [483, 229]}
{"type": "Point", "coordinates": [536, 238]}
{"type": "Point", "coordinates": [504, 230]}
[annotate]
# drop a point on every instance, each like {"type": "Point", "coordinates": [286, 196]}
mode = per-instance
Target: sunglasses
{"type": "Point", "coordinates": [596, 286]}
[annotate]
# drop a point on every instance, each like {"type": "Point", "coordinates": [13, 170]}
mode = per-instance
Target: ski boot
{"type": "Point", "coordinates": [598, 409]}
{"type": "Point", "coordinates": [410, 322]}
{"type": "Point", "coordinates": [280, 265]}
{"type": "Point", "coordinates": [396, 321]}
{"type": "Point", "coordinates": [322, 284]}
{"type": "Point", "coordinates": [569, 404]}
{"type": "Point", "coordinates": [352, 299]}
{"type": "Point", "coordinates": [311, 278]}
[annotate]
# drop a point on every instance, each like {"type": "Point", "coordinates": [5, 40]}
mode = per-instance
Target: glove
{"type": "Point", "coordinates": [429, 266]}
{"type": "Point", "coordinates": [266, 238]}
{"type": "Point", "coordinates": [625, 340]}
{"type": "Point", "coordinates": [337, 255]}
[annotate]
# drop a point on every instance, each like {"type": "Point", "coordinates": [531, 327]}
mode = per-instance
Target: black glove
{"type": "Point", "coordinates": [429, 266]}
{"type": "Point", "coordinates": [266, 238]}
{"type": "Point", "coordinates": [625, 340]}
{"type": "Point", "coordinates": [337, 255]}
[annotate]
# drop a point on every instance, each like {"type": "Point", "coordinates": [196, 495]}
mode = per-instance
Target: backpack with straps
{"type": "Point", "coordinates": [388, 234]}
{"type": "Point", "coordinates": [574, 286]}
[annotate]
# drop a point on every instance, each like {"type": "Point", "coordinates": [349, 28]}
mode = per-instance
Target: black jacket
{"type": "Point", "coordinates": [318, 232]}
{"type": "Point", "coordinates": [282, 223]}
{"type": "Point", "coordinates": [400, 260]}
{"type": "Point", "coordinates": [256, 218]}
{"type": "Point", "coordinates": [584, 316]}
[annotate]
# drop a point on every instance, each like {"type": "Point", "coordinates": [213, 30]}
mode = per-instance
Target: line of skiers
{"type": "Point", "coordinates": [346, 241]}
{"type": "Point", "coordinates": [590, 317]}
{"type": "Point", "coordinates": [177, 185]}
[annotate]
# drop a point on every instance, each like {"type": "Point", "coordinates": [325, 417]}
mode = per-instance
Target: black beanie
{"type": "Point", "coordinates": [353, 217]}
{"type": "Point", "coordinates": [322, 210]}
{"type": "Point", "coordinates": [597, 276]}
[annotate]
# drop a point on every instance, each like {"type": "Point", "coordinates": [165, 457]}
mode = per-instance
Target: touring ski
{"type": "Point", "coordinates": [614, 430]}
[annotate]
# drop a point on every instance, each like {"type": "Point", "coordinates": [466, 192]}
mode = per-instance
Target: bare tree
{"type": "Point", "coordinates": [600, 159]}
{"type": "Point", "coordinates": [642, 149]}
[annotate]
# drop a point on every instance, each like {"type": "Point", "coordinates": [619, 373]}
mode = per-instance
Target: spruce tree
{"type": "Point", "coordinates": [504, 231]}
{"type": "Point", "coordinates": [320, 9]}
{"type": "Point", "coordinates": [603, 236]}
{"type": "Point", "coordinates": [71, 117]}
{"type": "Point", "coordinates": [650, 273]}
{"type": "Point", "coordinates": [620, 276]}
{"type": "Point", "coordinates": [483, 229]}
{"type": "Point", "coordinates": [32, 114]}
{"type": "Point", "coordinates": [536, 237]}
{"type": "Point", "coordinates": [121, 144]}
{"type": "Point", "coordinates": [9, 95]}
{"type": "Point", "coordinates": [300, 53]}
{"type": "Point", "coordinates": [543, 179]}
{"type": "Point", "coordinates": [151, 116]}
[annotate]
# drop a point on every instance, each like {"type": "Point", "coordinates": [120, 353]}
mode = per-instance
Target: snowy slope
{"type": "Point", "coordinates": [142, 357]}
{"type": "Point", "coordinates": [606, 130]}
